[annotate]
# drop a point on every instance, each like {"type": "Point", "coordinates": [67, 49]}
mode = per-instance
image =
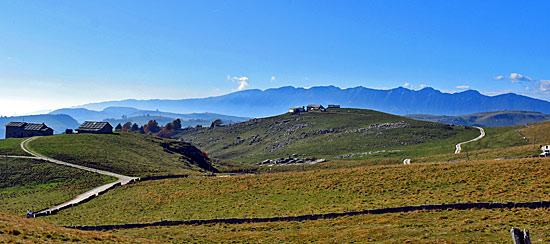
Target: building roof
{"type": "Point", "coordinates": [16, 124]}
{"type": "Point", "coordinates": [28, 126]}
{"type": "Point", "coordinates": [93, 126]}
{"type": "Point", "coordinates": [315, 106]}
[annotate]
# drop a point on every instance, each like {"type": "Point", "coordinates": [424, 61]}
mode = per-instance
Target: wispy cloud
{"type": "Point", "coordinates": [514, 77]}
{"type": "Point", "coordinates": [463, 87]}
{"type": "Point", "coordinates": [406, 85]}
{"type": "Point", "coordinates": [273, 78]}
{"type": "Point", "coordinates": [529, 86]}
{"type": "Point", "coordinates": [544, 86]}
{"type": "Point", "coordinates": [422, 86]}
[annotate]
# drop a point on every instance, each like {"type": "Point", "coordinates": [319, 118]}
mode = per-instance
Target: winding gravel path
{"type": "Point", "coordinates": [122, 179]}
{"type": "Point", "coordinates": [458, 146]}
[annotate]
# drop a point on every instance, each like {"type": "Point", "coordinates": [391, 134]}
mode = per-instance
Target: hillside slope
{"type": "Point", "coordinates": [258, 103]}
{"type": "Point", "coordinates": [36, 185]}
{"type": "Point", "coordinates": [124, 153]}
{"type": "Point", "coordinates": [329, 134]}
{"type": "Point", "coordinates": [486, 119]}
{"type": "Point", "coordinates": [15, 229]}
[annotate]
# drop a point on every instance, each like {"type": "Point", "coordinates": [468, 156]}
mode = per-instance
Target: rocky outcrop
{"type": "Point", "coordinates": [291, 161]}
{"type": "Point", "coordinates": [364, 153]}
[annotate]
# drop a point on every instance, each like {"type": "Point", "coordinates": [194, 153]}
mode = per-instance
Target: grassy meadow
{"type": "Point", "coordinates": [464, 226]}
{"type": "Point", "coordinates": [538, 131]}
{"type": "Point", "coordinates": [36, 185]}
{"type": "Point", "coordinates": [15, 229]}
{"type": "Point", "coordinates": [12, 146]}
{"type": "Point", "coordinates": [437, 175]}
{"type": "Point", "coordinates": [320, 191]}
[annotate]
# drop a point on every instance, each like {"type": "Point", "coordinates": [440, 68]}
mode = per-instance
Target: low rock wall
{"type": "Point", "coordinates": [455, 206]}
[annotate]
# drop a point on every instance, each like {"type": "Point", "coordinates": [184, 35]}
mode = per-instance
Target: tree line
{"type": "Point", "coordinates": [153, 128]}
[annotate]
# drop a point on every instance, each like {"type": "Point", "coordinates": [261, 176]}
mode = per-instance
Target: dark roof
{"type": "Point", "coordinates": [314, 106]}
{"type": "Point", "coordinates": [34, 126]}
{"type": "Point", "coordinates": [16, 124]}
{"type": "Point", "coordinates": [93, 126]}
{"type": "Point", "coordinates": [28, 126]}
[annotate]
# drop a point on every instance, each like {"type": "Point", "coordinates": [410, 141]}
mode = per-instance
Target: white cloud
{"type": "Point", "coordinates": [514, 77]}
{"type": "Point", "coordinates": [422, 86]}
{"type": "Point", "coordinates": [273, 78]}
{"type": "Point", "coordinates": [463, 87]}
{"type": "Point", "coordinates": [519, 77]}
{"type": "Point", "coordinates": [545, 86]}
{"type": "Point", "coordinates": [526, 85]}
{"type": "Point", "coordinates": [228, 77]}
{"type": "Point", "coordinates": [242, 81]}
{"type": "Point", "coordinates": [406, 84]}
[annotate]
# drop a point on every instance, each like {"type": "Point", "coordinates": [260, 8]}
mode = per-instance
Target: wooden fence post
{"type": "Point", "coordinates": [520, 237]}
{"type": "Point", "coordinates": [517, 236]}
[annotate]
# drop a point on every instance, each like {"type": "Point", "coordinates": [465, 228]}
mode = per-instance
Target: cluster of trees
{"type": "Point", "coordinates": [151, 128]}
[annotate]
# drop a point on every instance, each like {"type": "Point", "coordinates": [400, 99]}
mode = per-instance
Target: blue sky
{"type": "Point", "coordinates": [57, 54]}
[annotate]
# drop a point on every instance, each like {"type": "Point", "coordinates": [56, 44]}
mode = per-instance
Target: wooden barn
{"type": "Point", "coordinates": [95, 127]}
{"type": "Point", "coordinates": [23, 129]}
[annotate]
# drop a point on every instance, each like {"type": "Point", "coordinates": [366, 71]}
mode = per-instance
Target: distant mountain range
{"type": "Point", "coordinates": [258, 103]}
{"type": "Point", "coordinates": [486, 119]}
{"type": "Point", "coordinates": [115, 115]}
{"type": "Point", "coordinates": [58, 122]}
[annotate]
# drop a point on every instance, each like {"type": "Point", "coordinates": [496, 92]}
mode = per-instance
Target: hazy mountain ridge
{"type": "Point", "coordinates": [258, 103]}
{"type": "Point", "coordinates": [129, 114]}
{"type": "Point", "coordinates": [58, 122]}
{"type": "Point", "coordinates": [486, 119]}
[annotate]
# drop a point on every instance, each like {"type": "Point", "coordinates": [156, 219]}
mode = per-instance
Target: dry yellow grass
{"type": "Point", "coordinates": [465, 226]}
{"type": "Point", "coordinates": [15, 229]}
{"type": "Point", "coordinates": [320, 191]}
{"type": "Point", "coordinates": [541, 131]}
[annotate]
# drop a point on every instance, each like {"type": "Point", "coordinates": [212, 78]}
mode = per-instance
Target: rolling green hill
{"type": "Point", "coordinates": [486, 119]}
{"type": "Point", "coordinates": [124, 153]}
{"type": "Point", "coordinates": [329, 134]}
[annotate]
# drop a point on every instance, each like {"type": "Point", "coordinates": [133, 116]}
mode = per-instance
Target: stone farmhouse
{"type": "Point", "coordinates": [23, 129]}
{"type": "Point", "coordinates": [317, 108]}
{"type": "Point", "coordinates": [93, 127]}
